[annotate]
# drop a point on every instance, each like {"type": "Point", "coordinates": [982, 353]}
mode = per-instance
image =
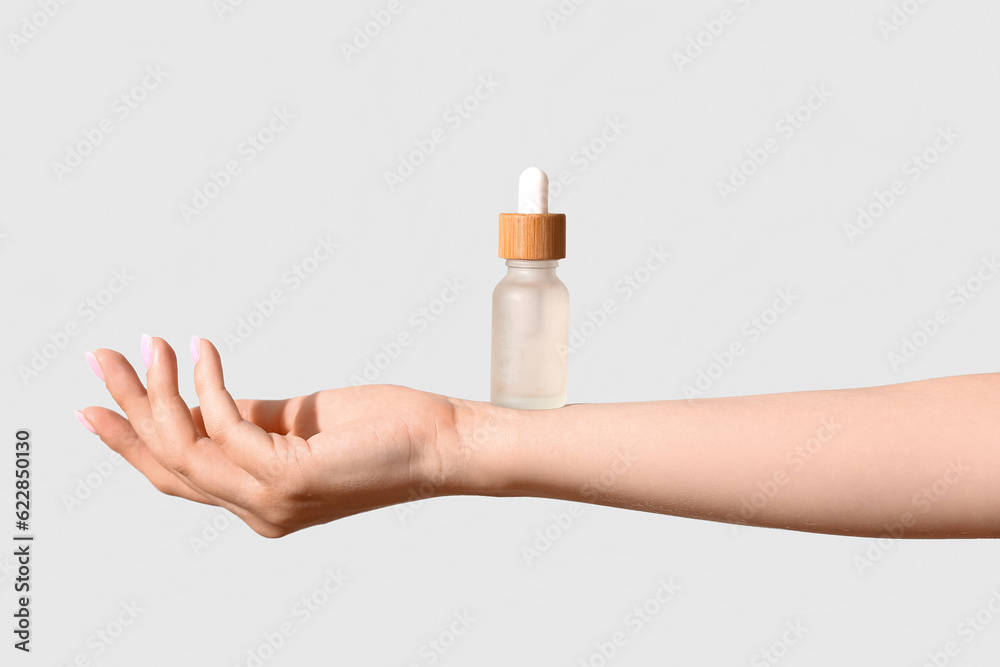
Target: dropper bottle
{"type": "Point", "coordinates": [530, 304]}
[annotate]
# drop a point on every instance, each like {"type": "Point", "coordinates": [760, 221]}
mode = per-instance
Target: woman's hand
{"type": "Point", "coordinates": [280, 465]}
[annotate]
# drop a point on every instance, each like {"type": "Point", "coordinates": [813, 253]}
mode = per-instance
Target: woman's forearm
{"type": "Point", "coordinates": [920, 459]}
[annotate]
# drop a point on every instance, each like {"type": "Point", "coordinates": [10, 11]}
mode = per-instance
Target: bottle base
{"type": "Point", "coordinates": [529, 403]}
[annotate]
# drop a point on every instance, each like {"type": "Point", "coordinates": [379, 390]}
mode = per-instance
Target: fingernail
{"type": "Point", "coordinates": [195, 348]}
{"type": "Point", "coordinates": [94, 366]}
{"type": "Point", "coordinates": [86, 423]}
{"type": "Point", "coordinates": [147, 351]}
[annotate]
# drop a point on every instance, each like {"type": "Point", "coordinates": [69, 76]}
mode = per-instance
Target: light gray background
{"type": "Point", "coordinates": [655, 185]}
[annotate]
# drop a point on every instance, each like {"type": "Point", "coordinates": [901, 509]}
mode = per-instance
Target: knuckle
{"type": "Point", "coordinates": [179, 464]}
{"type": "Point", "coordinates": [161, 412]}
{"type": "Point", "coordinates": [146, 428]}
{"type": "Point", "coordinates": [221, 432]}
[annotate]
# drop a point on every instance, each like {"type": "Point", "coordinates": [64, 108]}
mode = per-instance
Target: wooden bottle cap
{"type": "Point", "coordinates": [532, 235]}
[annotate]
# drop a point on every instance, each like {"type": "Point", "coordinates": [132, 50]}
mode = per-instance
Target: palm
{"type": "Point", "coordinates": [363, 446]}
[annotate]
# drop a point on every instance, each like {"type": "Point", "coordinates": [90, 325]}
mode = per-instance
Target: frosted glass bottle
{"type": "Point", "coordinates": [530, 337]}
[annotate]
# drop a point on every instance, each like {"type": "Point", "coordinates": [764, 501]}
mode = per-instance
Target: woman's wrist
{"type": "Point", "coordinates": [580, 452]}
{"type": "Point", "coordinates": [483, 451]}
{"type": "Point", "coordinates": [536, 453]}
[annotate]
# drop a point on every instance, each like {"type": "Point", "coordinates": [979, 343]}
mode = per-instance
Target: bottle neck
{"type": "Point", "coordinates": [532, 270]}
{"type": "Point", "coordinates": [532, 263]}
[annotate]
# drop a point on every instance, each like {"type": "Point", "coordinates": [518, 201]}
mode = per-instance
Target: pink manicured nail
{"type": "Point", "coordinates": [195, 348]}
{"type": "Point", "coordinates": [94, 366]}
{"type": "Point", "coordinates": [83, 420]}
{"type": "Point", "coordinates": [147, 351]}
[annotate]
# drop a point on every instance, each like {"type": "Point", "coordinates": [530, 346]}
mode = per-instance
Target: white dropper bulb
{"type": "Point", "coordinates": [533, 191]}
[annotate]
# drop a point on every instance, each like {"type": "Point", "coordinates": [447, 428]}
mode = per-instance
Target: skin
{"type": "Point", "coordinates": [919, 459]}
